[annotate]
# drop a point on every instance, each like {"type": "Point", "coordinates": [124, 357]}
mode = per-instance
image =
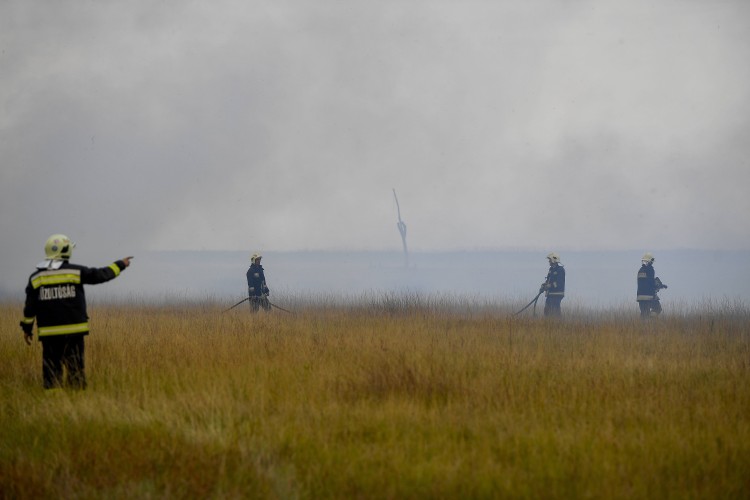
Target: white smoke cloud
{"type": "Point", "coordinates": [285, 125]}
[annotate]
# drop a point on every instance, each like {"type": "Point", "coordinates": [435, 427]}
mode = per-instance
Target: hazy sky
{"type": "Point", "coordinates": [281, 125]}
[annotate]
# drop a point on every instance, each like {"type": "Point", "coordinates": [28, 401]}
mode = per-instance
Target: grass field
{"type": "Point", "coordinates": [399, 397]}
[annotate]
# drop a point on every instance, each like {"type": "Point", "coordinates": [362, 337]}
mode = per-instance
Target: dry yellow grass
{"type": "Point", "coordinates": [392, 398]}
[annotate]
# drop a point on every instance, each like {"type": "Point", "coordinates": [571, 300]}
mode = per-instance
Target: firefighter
{"type": "Point", "coordinates": [55, 297]}
{"type": "Point", "coordinates": [257, 290]}
{"type": "Point", "coordinates": [553, 286]}
{"type": "Point", "coordinates": [648, 287]}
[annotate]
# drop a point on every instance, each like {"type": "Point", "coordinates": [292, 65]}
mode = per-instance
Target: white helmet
{"type": "Point", "coordinates": [58, 246]}
{"type": "Point", "coordinates": [553, 258]}
{"type": "Point", "coordinates": [255, 257]}
{"type": "Point", "coordinates": [648, 258]}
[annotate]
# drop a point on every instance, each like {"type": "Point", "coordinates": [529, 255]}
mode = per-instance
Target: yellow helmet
{"type": "Point", "coordinates": [255, 257]}
{"type": "Point", "coordinates": [647, 257]}
{"type": "Point", "coordinates": [553, 258]}
{"type": "Point", "coordinates": [58, 246]}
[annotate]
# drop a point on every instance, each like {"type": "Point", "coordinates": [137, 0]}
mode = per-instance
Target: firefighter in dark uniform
{"type": "Point", "coordinates": [554, 286]}
{"type": "Point", "coordinates": [256, 285]}
{"type": "Point", "coordinates": [648, 287]}
{"type": "Point", "coordinates": [55, 297]}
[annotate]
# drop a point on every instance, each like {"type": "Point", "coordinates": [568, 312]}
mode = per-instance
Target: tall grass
{"type": "Point", "coordinates": [385, 396]}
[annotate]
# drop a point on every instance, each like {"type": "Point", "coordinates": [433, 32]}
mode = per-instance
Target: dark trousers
{"type": "Point", "coordinates": [63, 351]}
{"type": "Point", "coordinates": [552, 306]}
{"type": "Point", "coordinates": [647, 306]}
{"type": "Point", "coordinates": [256, 302]}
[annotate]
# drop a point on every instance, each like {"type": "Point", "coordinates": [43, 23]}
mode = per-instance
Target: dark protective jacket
{"type": "Point", "coordinates": [56, 299]}
{"type": "Point", "coordinates": [256, 281]}
{"type": "Point", "coordinates": [555, 282]}
{"type": "Point", "coordinates": [646, 283]}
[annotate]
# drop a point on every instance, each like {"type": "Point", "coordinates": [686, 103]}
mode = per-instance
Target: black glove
{"type": "Point", "coordinates": [28, 328]}
{"type": "Point", "coordinates": [266, 291]}
{"type": "Point", "coordinates": [28, 332]}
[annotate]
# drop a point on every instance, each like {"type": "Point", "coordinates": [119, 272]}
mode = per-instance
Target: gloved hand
{"type": "Point", "coordinates": [28, 331]}
{"type": "Point", "coordinates": [266, 291]}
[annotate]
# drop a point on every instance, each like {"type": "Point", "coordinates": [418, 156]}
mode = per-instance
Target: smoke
{"type": "Point", "coordinates": [285, 125]}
